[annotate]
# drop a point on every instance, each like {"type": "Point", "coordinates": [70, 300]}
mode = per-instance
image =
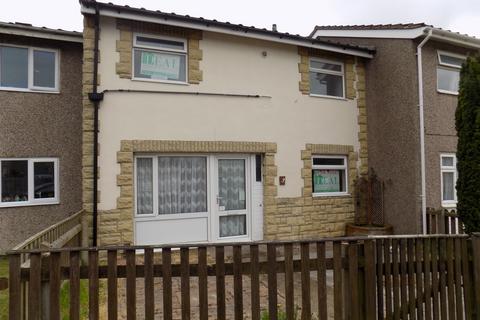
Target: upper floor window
{"type": "Point", "coordinates": [448, 168]}
{"type": "Point", "coordinates": [28, 181]}
{"type": "Point", "coordinates": [448, 72]}
{"type": "Point", "coordinates": [160, 58]}
{"type": "Point", "coordinates": [326, 78]}
{"type": "Point", "coordinates": [25, 69]}
{"type": "Point", "coordinates": [329, 175]}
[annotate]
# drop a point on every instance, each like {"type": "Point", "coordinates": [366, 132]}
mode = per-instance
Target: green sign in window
{"type": "Point", "coordinates": [327, 180]}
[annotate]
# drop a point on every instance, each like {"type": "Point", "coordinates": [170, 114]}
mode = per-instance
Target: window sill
{"type": "Point", "coordinates": [449, 205]}
{"type": "Point", "coordinates": [327, 97]}
{"type": "Point", "coordinates": [28, 90]}
{"type": "Point", "coordinates": [452, 93]}
{"type": "Point", "coordinates": [161, 81]}
{"type": "Point", "coordinates": [27, 204]}
{"type": "Point", "coordinates": [331, 195]}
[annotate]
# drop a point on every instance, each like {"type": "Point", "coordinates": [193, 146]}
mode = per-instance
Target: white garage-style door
{"type": "Point", "coordinates": [198, 198]}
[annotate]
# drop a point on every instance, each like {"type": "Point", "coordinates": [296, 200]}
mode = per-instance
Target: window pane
{"type": "Point", "coordinates": [329, 161]}
{"type": "Point", "coordinates": [144, 185]}
{"type": "Point", "coordinates": [44, 180]}
{"type": "Point", "coordinates": [448, 79]}
{"type": "Point", "coordinates": [328, 180]}
{"type": "Point", "coordinates": [44, 69]}
{"type": "Point", "coordinates": [14, 180]}
{"type": "Point", "coordinates": [160, 65]}
{"type": "Point", "coordinates": [182, 184]}
{"type": "Point", "coordinates": [233, 225]}
{"type": "Point", "coordinates": [14, 67]}
{"type": "Point", "coordinates": [448, 186]}
{"type": "Point", "coordinates": [325, 65]}
{"type": "Point", "coordinates": [160, 43]}
{"type": "Point", "coordinates": [447, 161]}
{"type": "Point", "coordinates": [231, 184]}
{"type": "Point", "coordinates": [258, 168]}
{"type": "Point", "coordinates": [326, 84]}
{"type": "Point", "coordinates": [451, 60]}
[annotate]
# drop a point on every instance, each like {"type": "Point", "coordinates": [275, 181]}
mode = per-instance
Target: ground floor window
{"type": "Point", "coordinates": [170, 184]}
{"type": "Point", "coordinates": [28, 181]}
{"type": "Point", "coordinates": [448, 168]}
{"type": "Point", "coordinates": [329, 175]}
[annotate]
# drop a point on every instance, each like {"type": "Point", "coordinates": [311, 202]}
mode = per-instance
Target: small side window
{"type": "Point", "coordinates": [326, 78]}
{"type": "Point", "coordinates": [448, 72]}
{"type": "Point", "coordinates": [448, 168]}
{"type": "Point", "coordinates": [329, 175]}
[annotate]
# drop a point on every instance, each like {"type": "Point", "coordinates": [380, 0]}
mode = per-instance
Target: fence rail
{"type": "Point", "coordinates": [342, 278]}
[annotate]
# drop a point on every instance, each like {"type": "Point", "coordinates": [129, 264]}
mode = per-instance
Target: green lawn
{"type": "Point", "coordinates": [4, 293]}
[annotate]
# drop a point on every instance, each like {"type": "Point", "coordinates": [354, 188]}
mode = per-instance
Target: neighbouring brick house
{"type": "Point", "coordinates": [395, 118]}
{"type": "Point", "coordinates": [210, 131]}
{"type": "Point", "coordinates": [40, 129]}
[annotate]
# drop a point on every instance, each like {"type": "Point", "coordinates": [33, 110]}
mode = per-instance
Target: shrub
{"type": "Point", "coordinates": [467, 122]}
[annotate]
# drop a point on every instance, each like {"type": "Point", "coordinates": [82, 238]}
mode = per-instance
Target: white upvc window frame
{"type": "Point", "coordinates": [31, 195]}
{"type": "Point", "coordinates": [157, 49]}
{"type": "Point", "coordinates": [325, 71]}
{"type": "Point", "coordinates": [449, 169]}
{"type": "Point", "coordinates": [30, 68]}
{"type": "Point", "coordinates": [155, 214]}
{"type": "Point", "coordinates": [448, 67]}
{"type": "Point", "coordinates": [331, 167]}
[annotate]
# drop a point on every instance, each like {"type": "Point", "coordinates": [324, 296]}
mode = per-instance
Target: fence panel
{"type": "Point", "coordinates": [354, 278]}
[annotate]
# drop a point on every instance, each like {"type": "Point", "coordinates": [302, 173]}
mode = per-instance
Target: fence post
{"type": "Point", "coordinates": [369, 278]}
{"type": "Point", "coordinates": [45, 289]}
{"type": "Point", "coordinates": [14, 286]}
{"type": "Point", "coordinates": [84, 239]}
{"type": "Point", "coordinates": [476, 272]}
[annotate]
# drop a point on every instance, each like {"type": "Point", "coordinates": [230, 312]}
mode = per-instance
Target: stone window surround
{"type": "Point", "coordinates": [327, 149]}
{"type": "Point", "coordinates": [124, 46]}
{"type": "Point", "coordinates": [304, 69]}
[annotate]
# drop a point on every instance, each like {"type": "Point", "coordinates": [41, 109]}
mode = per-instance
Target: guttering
{"type": "Point", "coordinates": [455, 38]}
{"type": "Point", "coordinates": [422, 129]}
{"type": "Point", "coordinates": [218, 27]}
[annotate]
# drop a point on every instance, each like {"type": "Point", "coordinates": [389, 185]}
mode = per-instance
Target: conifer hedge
{"type": "Point", "coordinates": [467, 122]}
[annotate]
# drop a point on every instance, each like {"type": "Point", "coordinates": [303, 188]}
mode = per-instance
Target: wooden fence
{"type": "Point", "coordinates": [424, 277]}
{"type": "Point", "coordinates": [66, 233]}
{"type": "Point", "coordinates": [443, 221]}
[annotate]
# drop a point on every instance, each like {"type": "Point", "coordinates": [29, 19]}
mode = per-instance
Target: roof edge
{"type": "Point", "coordinates": [126, 12]}
{"type": "Point", "coordinates": [397, 33]}
{"type": "Point", "coordinates": [27, 30]}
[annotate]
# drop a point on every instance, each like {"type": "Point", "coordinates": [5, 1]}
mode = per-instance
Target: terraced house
{"type": "Point", "coordinates": [40, 129]}
{"type": "Point", "coordinates": [210, 131]}
{"type": "Point", "coordinates": [412, 93]}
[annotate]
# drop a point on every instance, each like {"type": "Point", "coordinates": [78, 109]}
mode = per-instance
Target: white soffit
{"type": "Point", "coordinates": [391, 34]}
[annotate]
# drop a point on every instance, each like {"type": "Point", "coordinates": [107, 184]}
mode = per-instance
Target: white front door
{"type": "Point", "coordinates": [232, 192]}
